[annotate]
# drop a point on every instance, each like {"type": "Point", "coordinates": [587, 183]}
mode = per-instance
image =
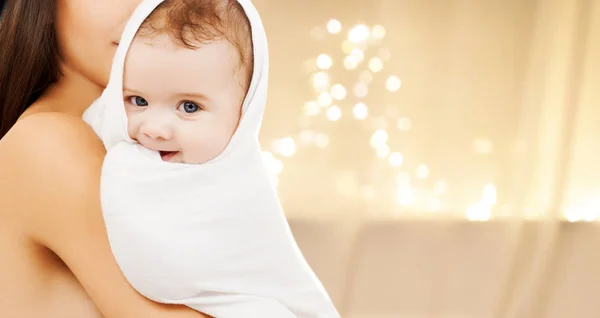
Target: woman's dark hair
{"type": "Point", "coordinates": [29, 57]}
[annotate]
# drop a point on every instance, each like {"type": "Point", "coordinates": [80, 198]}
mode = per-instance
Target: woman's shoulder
{"type": "Point", "coordinates": [47, 160]}
{"type": "Point", "coordinates": [58, 139]}
{"type": "Point", "coordinates": [38, 131]}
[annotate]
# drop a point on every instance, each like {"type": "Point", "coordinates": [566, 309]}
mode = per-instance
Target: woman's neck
{"type": "Point", "coordinates": [71, 94]}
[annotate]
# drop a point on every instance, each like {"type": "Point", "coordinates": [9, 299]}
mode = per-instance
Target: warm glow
{"type": "Point", "coordinates": [350, 62]}
{"type": "Point", "coordinates": [347, 47]}
{"type": "Point", "coordinates": [393, 83]}
{"type": "Point", "coordinates": [422, 172]}
{"type": "Point", "coordinates": [334, 26]}
{"type": "Point", "coordinates": [322, 141]}
{"type": "Point", "coordinates": [489, 195]}
{"type": "Point", "coordinates": [403, 178]}
{"type": "Point", "coordinates": [285, 146]}
{"type": "Point", "coordinates": [312, 108]}
{"type": "Point", "coordinates": [440, 187]}
{"type": "Point", "coordinates": [324, 61]}
{"type": "Point", "coordinates": [361, 90]}
{"type": "Point", "coordinates": [384, 54]}
{"type": "Point", "coordinates": [375, 65]}
{"type": "Point", "coordinates": [483, 146]}
{"type": "Point", "coordinates": [478, 212]}
{"type": "Point", "coordinates": [325, 99]}
{"type": "Point", "coordinates": [338, 91]}
{"type": "Point", "coordinates": [357, 54]}
{"type": "Point", "coordinates": [334, 113]}
{"type": "Point", "coordinates": [320, 82]}
{"type": "Point", "coordinates": [379, 138]}
{"type": "Point", "coordinates": [383, 151]}
{"type": "Point", "coordinates": [378, 32]}
{"type": "Point", "coordinates": [396, 159]}
{"type": "Point", "coordinates": [306, 137]}
{"type": "Point", "coordinates": [404, 124]}
{"type": "Point", "coordinates": [406, 195]}
{"type": "Point", "coordinates": [358, 34]}
{"type": "Point", "coordinates": [360, 111]}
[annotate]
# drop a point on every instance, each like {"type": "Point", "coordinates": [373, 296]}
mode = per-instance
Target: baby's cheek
{"type": "Point", "coordinates": [205, 147]}
{"type": "Point", "coordinates": [131, 125]}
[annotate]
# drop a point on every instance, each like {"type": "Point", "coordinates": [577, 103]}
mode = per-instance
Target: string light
{"type": "Point", "coordinates": [350, 62]}
{"type": "Point", "coordinates": [347, 47]}
{"type": "Point", "coordinates": [406, 195]}
{"type": "Point", "coordinates": [334, 26]}
{"type": "Point", "coordinates": [478, 212]}
{"type": "Point", "coordinates": [378, 32]}
{"type": "Point", "coordinates": [285, 146]}
{"type": "Point", "coordinates": [360, 111]}
{"type": "Point", "coordinates": [482, 211]}
{"type": "Point", "coordinates": [375, 65]}
{"type": "Point", "coordinates": [422, 172]}
{"type": "Point", "coordinates": [324, 61]}
{"type": "Point", "coordinates": [306, 137]}
{"type": "Point", "coordinates": [361, 90]}
{"type": "Point", "coordinates": [379, 138]}
{"type": "Point", "coordinates": [396, 159]}
{"type": "Point", "coordinates": [357, 54]}
{"type": "Point", "coordinates": [311, 108]}
{"type": "Point", "coordinates": [489, 194]}
{"type": "Point", "coordinates": [321, 140]}
{"type": "Point", "coordinates": [361, 50]}
{"type": "Point", "coordinates": [383, 151]}
{"type": "Point", "coordinates": [338, 92]}
{"type": "Point", "coordinates": [393, 83]}
{"type": "Point", "coordinates": [588, 212]}
{"type": "Point", "coordinates": [320, 81]}
{"type": "Point", "coordinates": [384, 54]}
{"type": "Point", "coordinates": [358, 33]}
{"type": "Point", "coordinates": [404, 124]}
{"type": "Point", "coordinates": [324, 99]}
{"type": "Point", "coordinates": [334, 113]}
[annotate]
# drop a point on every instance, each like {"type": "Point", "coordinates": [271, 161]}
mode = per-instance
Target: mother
{"type": "Point", "coordinates": [55, 260]}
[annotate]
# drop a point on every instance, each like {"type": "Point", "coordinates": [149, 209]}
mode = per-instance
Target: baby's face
{"type": "Point", "coordinates": [184, 103]}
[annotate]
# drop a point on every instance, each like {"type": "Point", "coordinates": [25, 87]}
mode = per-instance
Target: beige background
{"type": "Point", "coordinates": [516, 77]}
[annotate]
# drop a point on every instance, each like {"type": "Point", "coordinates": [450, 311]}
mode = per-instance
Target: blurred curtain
{"type": "Point", "coordinates": [494, 120]}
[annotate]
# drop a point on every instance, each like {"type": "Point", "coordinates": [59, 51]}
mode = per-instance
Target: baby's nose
{"type": "Point", "coordinates": [156, 130]}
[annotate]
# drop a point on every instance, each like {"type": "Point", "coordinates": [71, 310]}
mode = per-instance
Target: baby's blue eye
{"type": "Point", "coordinates": [189, 107]}
{"type": "Point", "coordinates": [138, 101]}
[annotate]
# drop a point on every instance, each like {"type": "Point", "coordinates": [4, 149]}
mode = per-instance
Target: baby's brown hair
{"type": "Point", "coordinates": [192, 23]}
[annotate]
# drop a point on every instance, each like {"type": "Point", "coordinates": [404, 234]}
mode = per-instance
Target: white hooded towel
{"type": "Point", "coordinates": [210, 236]}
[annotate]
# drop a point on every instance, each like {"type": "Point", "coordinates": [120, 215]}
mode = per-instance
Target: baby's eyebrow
{"type": "Point", "coordinates": [130, 90]}
{"type": "Point", "coordinates": [197, 96]}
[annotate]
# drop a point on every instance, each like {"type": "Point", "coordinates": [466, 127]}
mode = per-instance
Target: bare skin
{"type": "Point", "coordinates": [55, 259]}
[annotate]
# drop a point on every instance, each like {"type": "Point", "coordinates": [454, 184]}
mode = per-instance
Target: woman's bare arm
{"type": "Point", "coordinates": [54, 161]}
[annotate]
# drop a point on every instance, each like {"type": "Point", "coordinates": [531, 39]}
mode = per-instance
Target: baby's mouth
{"type": "Point", "coordinates": [167, 155]}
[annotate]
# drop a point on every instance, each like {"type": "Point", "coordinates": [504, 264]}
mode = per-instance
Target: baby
{"type": "Point", "coordinates": [201, 225]}
{"type": "Point", "coordinates": [186, 75]}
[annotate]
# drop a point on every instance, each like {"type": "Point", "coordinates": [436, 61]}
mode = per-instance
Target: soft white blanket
{"type": "Point", "coordinates": [210, 236]}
